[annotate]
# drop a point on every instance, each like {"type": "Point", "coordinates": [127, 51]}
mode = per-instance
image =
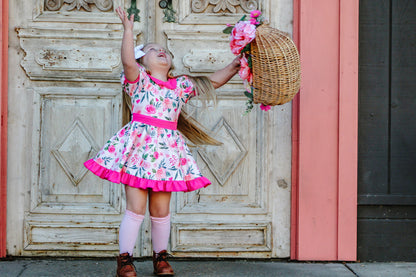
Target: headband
{"type": "Point", "coordinates": [138, 53]}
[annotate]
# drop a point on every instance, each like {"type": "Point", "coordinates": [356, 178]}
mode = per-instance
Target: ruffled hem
{"type": "Point", "coordinates": [142, 183]}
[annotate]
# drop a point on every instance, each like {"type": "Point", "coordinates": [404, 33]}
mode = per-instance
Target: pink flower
{"type": "Point", "coordinates": [151, 109]}
{"type": "Point", "coordinates": [242, 34]}
{"type": "Point", "coordinates": [111, 149]}
{"type": "Point", "coordinates": [173, 144]}
{"type": "Point", "coordinates": [188, 177]}
{"type": "Point", "coordinates": [99, 161]}
{"type": "Point", "coordinates": [245, 72]}
{"type": "Point", "coordinates": [254, 21]}
{"type": "Point", "coordinates": [148, 139]}
{"type": "Point", "coordinates": [122, 132]}
{"type": "Point", "coordinates": [229, 25]}
{"type": "Point", "coordinates": [167, 104]}
{"type": "Point", "coordinates": [160, 173]}
{"type": "Point", "coordinates": [156, 155]}
{"type": "Point", "coordinates": [146, 165]}
{"type": "Point", "coordinates": [183, 161]}
{"type": "Point", "coordinates": [255, 13]}
{"type": "Point", "coordinates": [265, 107]}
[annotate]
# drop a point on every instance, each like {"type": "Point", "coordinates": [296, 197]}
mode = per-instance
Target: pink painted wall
{"type": "Point", "coordinates": [325, 131]}
{"type": "Point", "coordinates": [4, 11]}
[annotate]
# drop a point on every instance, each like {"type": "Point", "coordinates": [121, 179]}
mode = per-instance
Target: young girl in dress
{"type": "Point", "coordinates": [148, 155]}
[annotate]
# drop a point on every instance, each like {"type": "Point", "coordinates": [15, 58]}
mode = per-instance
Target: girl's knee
{"type": "Point", "coordinates": [159, 212]}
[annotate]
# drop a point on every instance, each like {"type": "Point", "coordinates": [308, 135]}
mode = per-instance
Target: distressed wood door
{"type": "Point", "coordinates": [69, 72]}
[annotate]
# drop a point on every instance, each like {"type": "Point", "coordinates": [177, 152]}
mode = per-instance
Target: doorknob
{"type": "Point", "coordinates": [168, 10]}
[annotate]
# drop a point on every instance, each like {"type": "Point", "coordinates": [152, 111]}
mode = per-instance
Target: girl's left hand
{"type": "Point", "coordinates": [128, 23]}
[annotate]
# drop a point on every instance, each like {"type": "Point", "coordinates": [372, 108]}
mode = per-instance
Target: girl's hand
{"type": "Point", "coordinates": [236, 62]}
{"type": "Point", "coordinates": [127, 23]}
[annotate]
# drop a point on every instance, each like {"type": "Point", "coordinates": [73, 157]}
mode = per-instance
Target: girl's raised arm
{"type": "Point", "coordinates": [222, 76]}
{"type": "Point", "coordinates": [131, 69]}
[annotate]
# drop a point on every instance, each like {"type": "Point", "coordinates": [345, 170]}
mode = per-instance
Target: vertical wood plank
{"type": "Point", "coordinates": [348, 133]}
{"type": "Point", "coordinates": [294, 229]}
{"type": "Point", "coordinates": [318, 124]}
{"type": "Point", "coordinates": [373, 169]}
{"type": "Point", "coordinates": [4, 11]}
{"type": "Point", "coordinates": [403, 98]}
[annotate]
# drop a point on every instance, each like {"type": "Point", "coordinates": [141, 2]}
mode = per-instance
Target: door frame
{"type": "Point", "coordinates": [4, 11]}
{"type": "Point", "coordinates": [325, 132]}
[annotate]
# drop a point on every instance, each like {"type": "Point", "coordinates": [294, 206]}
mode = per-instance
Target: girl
{"type": "Point", "coordinates": [148, 155]}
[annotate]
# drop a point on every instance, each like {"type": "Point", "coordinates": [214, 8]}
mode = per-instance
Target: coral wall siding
{"type": "Point", "coordinates": [325, 136]}
{"type": "Point", "coordinates": [4, 11]}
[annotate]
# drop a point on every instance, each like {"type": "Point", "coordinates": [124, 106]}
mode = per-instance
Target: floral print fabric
{"type": "Point", "coordinates": [146, 156]}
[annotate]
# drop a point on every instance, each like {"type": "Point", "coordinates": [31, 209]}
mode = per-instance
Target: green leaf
{"type": "Point", "coordinates": [250, 61]}
{"type": "Point", "coordinates": [248, 94]}
{"type": "Point", "coordinates": [247, 48]}
{"type": "Point", "coordinates": [228, 30]}
{"type": "Point", "coordinates": [243, 18]}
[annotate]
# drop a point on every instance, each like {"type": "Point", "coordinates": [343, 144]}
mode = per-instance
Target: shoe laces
{"type": "Point", "coordinates": [163, 257]}
{"type": "Point", "coordinates": [127, 260]}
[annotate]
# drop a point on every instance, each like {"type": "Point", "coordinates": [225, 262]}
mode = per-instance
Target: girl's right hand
{"type": "Point", "coordinates": [127, 23]}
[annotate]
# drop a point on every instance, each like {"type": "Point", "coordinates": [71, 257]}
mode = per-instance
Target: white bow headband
{"type": "Point", "coordinates": [138, 53]}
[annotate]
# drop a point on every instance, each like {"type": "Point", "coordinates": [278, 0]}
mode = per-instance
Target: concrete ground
{"type": "Point", "coordinates": [22, 267]}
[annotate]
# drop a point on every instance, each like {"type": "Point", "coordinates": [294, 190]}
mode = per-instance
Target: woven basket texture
{"type": "Point", "coordinates": [276, 67]}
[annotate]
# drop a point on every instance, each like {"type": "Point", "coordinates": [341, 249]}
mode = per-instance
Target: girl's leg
{"type": "Point", "coordinates": [159, 203]}
{"type": "Point", "coordinates": [160, 217]}
{"type": "Point", "coordinates": [133, 218]}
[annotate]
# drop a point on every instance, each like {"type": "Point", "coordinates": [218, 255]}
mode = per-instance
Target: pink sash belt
{"type": "Point", "coordinates": [171, 125]}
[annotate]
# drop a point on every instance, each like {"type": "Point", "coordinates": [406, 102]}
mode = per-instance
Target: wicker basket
{"type": "Point", "coordinates": [276, 67]}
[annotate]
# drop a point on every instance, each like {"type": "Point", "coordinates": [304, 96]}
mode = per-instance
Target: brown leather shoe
{"type": "Point", "coordinates": [125, 266]}
{"type": "Point", "coordinates": [161, 265]}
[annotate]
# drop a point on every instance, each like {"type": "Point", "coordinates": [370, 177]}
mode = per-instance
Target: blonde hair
{"type": "Point", "coordinates": [187, 125]}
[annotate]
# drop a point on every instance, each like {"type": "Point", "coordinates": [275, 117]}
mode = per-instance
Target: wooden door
{"type": "Point", "coordinates": [387, 133]}
{"type": "Point", "coordinates": [70, 79]}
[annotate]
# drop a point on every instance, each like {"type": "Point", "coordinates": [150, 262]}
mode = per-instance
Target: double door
{"type": "Point", "coordinates": [66, 101]}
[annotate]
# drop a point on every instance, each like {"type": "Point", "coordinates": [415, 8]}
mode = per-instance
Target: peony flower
{"type": "Point", "coordinates": [265, 107]}
{"type": "Point", "coordinates": [151, 109]}
{"type": "Point", "coordinates": [255, 13]}
{"type": "Point", "coordinates": [242, 34]}
{"type": "Point", "coordinates": [245, 71]}
{"type": "Point", "coordinates": [156, 155]}
{"type": "Point", "coordinates": [183, 161]}
{"type": "Point", "coordinates": [111, 149]}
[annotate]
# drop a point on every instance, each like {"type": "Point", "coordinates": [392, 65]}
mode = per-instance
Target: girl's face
{"type": "Point", "coordinates": [156, 57]}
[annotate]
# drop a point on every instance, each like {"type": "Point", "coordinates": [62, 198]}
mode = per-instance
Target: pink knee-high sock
{"type": "Point", "coordinates": [160, 232]}
{"type": "Point", "coordinates": [129, 228]}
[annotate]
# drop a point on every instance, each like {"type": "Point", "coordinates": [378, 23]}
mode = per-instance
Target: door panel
{"type": "Point", "coordinates": [71, 66]}
{"type": "Point", "coordinates": [387, 154]}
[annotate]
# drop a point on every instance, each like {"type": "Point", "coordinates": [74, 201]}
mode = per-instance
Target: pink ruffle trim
{"type": "Point", "coordinates": [142, 183]}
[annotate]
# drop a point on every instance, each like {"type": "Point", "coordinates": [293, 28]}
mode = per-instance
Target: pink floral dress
{"type": "Point", "coordinates": [146, 156]}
